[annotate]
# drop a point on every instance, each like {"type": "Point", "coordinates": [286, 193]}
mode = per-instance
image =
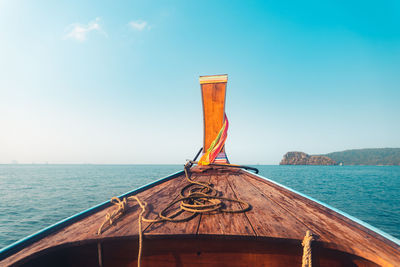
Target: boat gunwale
{"type": "Point", "coordinates": [344, 214]}
{"type": "Point", "coordinates": [18, 245]}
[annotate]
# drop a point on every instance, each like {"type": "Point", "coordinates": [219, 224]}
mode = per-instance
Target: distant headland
{"type": "Point", "coordinates": [367, 156]}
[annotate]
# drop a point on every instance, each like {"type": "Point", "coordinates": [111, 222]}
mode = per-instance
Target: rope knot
{"type": "Point", "coordinates": [116, 213]}
{"type": "Point", "coordinates": [120, 204]}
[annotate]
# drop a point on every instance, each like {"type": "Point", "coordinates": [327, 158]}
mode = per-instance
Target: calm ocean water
{"type": "Point", "coordinates": [35, 196]}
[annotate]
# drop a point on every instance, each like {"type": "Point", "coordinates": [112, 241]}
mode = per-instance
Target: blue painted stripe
{"type": "Point", "coordinates": [366, 225]}
{"type": "Point", "coordinates": [22, 243]}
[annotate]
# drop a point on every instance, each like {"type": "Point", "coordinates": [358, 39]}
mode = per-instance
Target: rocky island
{"type": "Point", "coordinates": [366, 156]}
{"type": "Point", "coordinates": [301, 158]}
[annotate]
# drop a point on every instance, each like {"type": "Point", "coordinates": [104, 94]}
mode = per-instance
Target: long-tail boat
{"type": "Point", "coordinates": [212, 213]}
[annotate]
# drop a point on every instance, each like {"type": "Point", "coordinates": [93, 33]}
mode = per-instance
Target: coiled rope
{"type": "Point", "coordinates": [195, 198]}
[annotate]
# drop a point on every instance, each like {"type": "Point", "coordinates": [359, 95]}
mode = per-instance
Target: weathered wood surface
{"type": "Point", "coordinates": [335, 230]}
{"type": "Point", "coordinates": [276, 213]}
{"type": "Point", "coordinates": [213, 96]}
{"type": "Point", "coordinates": [225, 223]}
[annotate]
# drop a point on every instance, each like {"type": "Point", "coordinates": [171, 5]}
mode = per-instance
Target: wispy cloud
{"type": "Point", "coordinates": [79, 32]}
{"type": "Point", "coordinates": [139, 25]}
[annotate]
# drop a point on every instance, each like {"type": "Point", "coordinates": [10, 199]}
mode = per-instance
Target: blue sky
{"type": "Point", "coordinates": [117, 81]}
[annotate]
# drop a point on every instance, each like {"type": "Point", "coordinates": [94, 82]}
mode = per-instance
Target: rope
{"type": "Point", "coordinates": [230, 166]}
{"type": "Point", "coordinates": [307, 256]}
{"type": "Point", "coordinates": [194, 198]}
{"type": "Point", "coordinates": [143, 206]}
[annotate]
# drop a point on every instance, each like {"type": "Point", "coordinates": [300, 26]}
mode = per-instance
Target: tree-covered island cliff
{"type": "Point", "coordinates": [367, 156]}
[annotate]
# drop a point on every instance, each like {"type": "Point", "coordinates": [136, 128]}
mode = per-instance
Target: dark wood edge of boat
{"type": "Point", "coordinates": [23, 243]}
{"type": "Point", "coordinates": [272, 241]}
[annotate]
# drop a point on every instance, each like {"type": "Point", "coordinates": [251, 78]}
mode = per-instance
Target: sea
{"type": "Point", "coordinates": [35, 196]}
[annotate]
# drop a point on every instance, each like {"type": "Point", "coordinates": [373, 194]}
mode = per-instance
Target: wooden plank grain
{"type": "Point", "coordinates": [221, 223]}
{"type": "Point", "coordinates": [266, 217]}
{"type": "Point", "coordinates": [335, 230]}
{"type": "Point", "coordinates": [213, 98]}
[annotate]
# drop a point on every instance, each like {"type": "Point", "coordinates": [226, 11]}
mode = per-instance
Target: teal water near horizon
{"type": "Point", "coordinates": [36, 196]}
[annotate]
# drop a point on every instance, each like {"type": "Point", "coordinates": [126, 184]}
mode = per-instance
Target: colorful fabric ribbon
{"type": "Point", "coordinates": [216, 146]}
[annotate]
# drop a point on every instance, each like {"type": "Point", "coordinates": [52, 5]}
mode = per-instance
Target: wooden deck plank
{"type": "Point", "coordinates": [225, 223]}
{"type": "Point", "coordinates": [267, 218]}
{"type": "Point", "coordinates": [336, 230]}
{"type": "Point", "coordinates": [286, 204]}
